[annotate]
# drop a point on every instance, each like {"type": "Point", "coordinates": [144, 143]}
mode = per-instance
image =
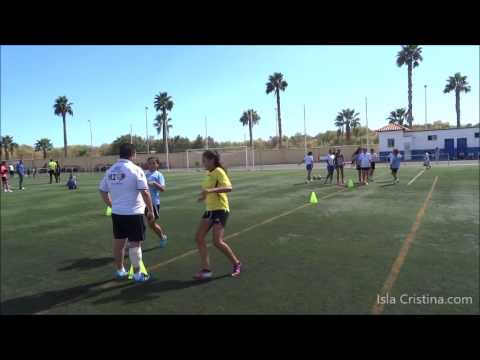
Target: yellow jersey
{"type": "Point", "coordinates": [52, 165]}
{"type": "Point", "coordinates": [216, 178]}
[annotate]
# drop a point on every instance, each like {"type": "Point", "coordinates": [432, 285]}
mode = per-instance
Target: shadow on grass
{"type": "Point", "coordinates": [390, 184]}
{"type": "Point", "coordinates": [41, 302]}
{"type": "Point", "coordinates": [87, 263]}
{"type": "Point", "coordinates": [151, 290]}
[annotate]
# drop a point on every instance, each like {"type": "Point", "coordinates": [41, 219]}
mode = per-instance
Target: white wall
{"type": "Point", "coordinates": [419, 139]}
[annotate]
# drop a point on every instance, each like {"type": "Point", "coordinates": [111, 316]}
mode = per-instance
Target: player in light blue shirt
{"type": "Point", "coordinates": [308, 160]}
{"type": "Point", "coordinates": [395, 164]}
{"type": "Point", "coordinates": [156, 185]}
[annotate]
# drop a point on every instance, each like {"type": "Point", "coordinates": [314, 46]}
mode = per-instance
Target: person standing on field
{"type": "Point", "coordinates": [124, 188]}
{"type": "Point", "coordinates": [58, 170]}
{"type": "Point", "coordinates": [21, 174]}
{"type": "Point", "coordinates": [52, 166]}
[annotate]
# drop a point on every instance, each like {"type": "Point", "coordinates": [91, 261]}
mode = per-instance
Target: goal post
{"type": "Point", "coordinates": [232, 157]}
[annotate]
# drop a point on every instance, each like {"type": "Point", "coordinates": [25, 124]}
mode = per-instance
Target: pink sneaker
{"type": "Point", "coordinates": [203, 275]}
{"type": "Point", "coordinates": [237, 269]}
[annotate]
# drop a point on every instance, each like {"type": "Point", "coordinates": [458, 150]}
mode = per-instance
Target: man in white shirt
{"type": "Point", "coordinates": [124, 188]}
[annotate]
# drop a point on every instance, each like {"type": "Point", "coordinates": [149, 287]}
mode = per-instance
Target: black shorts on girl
{"type": "Point", "coordinates": [216, 217]}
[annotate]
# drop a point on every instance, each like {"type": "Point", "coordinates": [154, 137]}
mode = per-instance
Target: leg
{"type": "Point", "coordinates": [202, 231]}
{"type": "Point", "coordinates": [51, 176]}
{"type": "Point", "coordinates": [218, 232]}
{"type": "Point", "coordinates": [309, 173]}
{"type": "Point", "coordinates": [119, 252]}
{"type": "Point", "coordinates": [135, 254]}
{"type": "Point", "coordinates": [341, 170]}
{"type": "Point", "coordinates": [338, 176]}
{"type": "Point", "coordinates": [20, 181]}
{"type": "Point", "coordinates": [157, 229]}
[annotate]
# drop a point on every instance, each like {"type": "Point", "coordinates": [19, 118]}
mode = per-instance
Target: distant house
{"type": "Point", "coordinates": [452, 143]}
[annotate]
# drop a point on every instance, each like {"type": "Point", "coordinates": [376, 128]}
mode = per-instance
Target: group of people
{"type": "Point", "coordinates": [363, 160]}
{"type": "Point", "coordinates": [54, 170]}
{"type": "Point", "coordinates": [7, 171]}
{"type": "Point", "coordinates": [134, 195]}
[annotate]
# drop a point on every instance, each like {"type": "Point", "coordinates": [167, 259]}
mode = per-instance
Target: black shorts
{"type": "Point", "coordinates": [372, 165]}
{"type": "Point", "coordinates": [339, 166]}
{"type": "Point", "coordinates": [309, 167]}
{"type": "Point", "coordinates": [330, 169]}
{"type": "Point", "coordinates": [365, 168]}
{"type": "Point", "coordinates": [216, 217]}
{"type": "Point", "coordinates": [156, 211]}
{"type": "Point", "coordinates": [394, 171]}
{"type": "Point", "coordinates": [359, 168]}
{"type": "Point", "coordinates": [128, 226]}
{"type": "Point", "coordinates": [4, 179]}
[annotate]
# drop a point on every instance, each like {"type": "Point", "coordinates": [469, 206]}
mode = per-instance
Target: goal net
{"type": "Point", "coordinates": [231, 157]}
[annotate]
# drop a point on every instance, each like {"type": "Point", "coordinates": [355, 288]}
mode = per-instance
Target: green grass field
{"type": "Point", "coordinates": [329, 258]}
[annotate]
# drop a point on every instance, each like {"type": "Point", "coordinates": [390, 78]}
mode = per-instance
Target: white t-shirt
{"type": "Point", "coordinates": [124, 181]}
{"type": "Point", "coordinates": [330, 160]}
{"type": "Point", "coordinates": [308, 160]}
{"type": "Point", "coordinates": [427, 157]}
{"type": "Point", "coordinates": [373, 157]}
{"type": "Point", "coordinates": [364, 160]}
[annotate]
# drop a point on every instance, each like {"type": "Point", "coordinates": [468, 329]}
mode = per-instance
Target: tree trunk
{"type": "Point", "coordinates": [7, 154]}
{"type": "Point", "coordinates": [410, 116]}
{"type": "Point", "coordinates": [457, 106]}
{"type": "Point", "coordinates": [64, 135]}
{"type": "Point", "coordinates": [250, 129]}
{"type": "Point", "coordinates": [347, 131]}
{"type": "Point", "coordinates": [279, 119]}
{"type": "Point", "coordinates": [44, 154]}
{"type": "Point", "coordinates": [164, 130]}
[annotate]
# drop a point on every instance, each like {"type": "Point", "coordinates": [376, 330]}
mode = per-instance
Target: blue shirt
{"type": "Point", "coordinates": [21, 169]}
{"type": "Point", "coordinates": [394, 161]}
{"type": "Point", "coordinates": [154, 192]}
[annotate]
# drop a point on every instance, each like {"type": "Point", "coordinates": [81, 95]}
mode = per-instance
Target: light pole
{"type": "Point", "coordinates": [366, 116]}
{"type": "Point", "coordinates": [146, 131]}
{"type": "Point", "coordinates": [131, 138]}
{"type": "Point", "coordinates": [91, 145]}
{"type": "Point", "coordinates": [425, 105]}
{"type": "Point", "coordinates": [305, 128]}
{"type": "Point", "coordinates": [206, 133]}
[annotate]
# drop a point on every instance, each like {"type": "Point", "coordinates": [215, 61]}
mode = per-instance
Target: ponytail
{"type": "Point", "coordinates": [215, 156]}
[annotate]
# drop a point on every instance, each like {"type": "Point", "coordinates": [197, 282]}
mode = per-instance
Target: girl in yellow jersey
{"type": "Point", "coordinates": [215, 187]}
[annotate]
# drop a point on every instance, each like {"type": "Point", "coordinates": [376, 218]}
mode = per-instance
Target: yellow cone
{"type": "Point", "coordinates": [350, 184]}
{"type": "Point", "coordinates": [313, 198]}
{"type": "Point", "coordinates": [108, 212]}
{"type": "Point", "coordinates": [143, 270]}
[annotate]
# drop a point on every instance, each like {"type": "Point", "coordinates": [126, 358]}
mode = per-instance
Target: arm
{"type": "Point", "coordinates": [158, 186]}
{"type": "Point", "coordinates": [106, 198]}
{"type": "Point", "coordinates": [148, 201]}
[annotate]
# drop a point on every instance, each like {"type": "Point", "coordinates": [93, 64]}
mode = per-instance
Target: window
{"type": "Point", "coordinates": [391, 142]}
{"type": "Point", "coordinates": [432, 137]}
{"type": "Point", "coordinates": [476, 134]}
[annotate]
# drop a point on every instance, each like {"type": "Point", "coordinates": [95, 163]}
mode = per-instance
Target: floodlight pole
{"type": "Point", "coordinates": [305, 128]}
{"type": "Point", "coordinates": [366, 116]}
{"type": "Point", "coordinates": [146, 131]}
{"type": "Point", "coordinates": [91, 145]}
{"type": "Point", "coordinates": [425, 106]}
{"type": "Point", "coordinates": [206, 133]}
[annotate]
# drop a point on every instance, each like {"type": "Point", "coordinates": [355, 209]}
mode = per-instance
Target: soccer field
{"type": "Point", "coordinates": [334, 257]}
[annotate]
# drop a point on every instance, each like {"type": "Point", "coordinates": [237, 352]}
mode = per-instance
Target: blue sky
{"type": "Point", "coordinates": [111, 85]}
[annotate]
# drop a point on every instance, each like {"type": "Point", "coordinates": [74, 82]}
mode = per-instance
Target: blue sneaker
{"type": "Point", "coordinates": [141, 278]}
{"type": "Point", "coordinates": [121, 275]}
{"type": "Point", "coordinates": [163, 241]}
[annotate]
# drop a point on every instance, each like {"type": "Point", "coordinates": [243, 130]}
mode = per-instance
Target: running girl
{"type": "Point", "coordinates": [4, 174]}
{"type": "Point", "coordinates": [357, 163]}
{"type": "Point", "coordinates": [339, 163]}
{"type": "Point", "coordinates": [364, 159]}
{"type": "Point", "coordinates": [374, 158]}
{"type": "Point", "coordinates": [395, 165]}
{"type": "Point", "coordinates": [330, 166]}
{"type": "Point", "coordinates": [426, 160]}
{"type": "Point", "coordinates": [156, 185]}
{"type": "Point", "coordinates": [308, 160]}
{"type": "Point", "coordinates": [215, 187]}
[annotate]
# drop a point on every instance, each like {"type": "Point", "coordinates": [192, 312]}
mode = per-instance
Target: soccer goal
{"type": "Point", "coordinates": [232, 157]}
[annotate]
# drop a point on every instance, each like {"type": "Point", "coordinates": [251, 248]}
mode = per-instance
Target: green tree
{"type": "Point", "coordinates": [275, 84]}
{"type": "Point", "coordinates": [138, 141]}
{"type": "Point", "coordinates": [250, 118]}
{"type": "Point", "coordinates": [397, 116]}
{"type": "Point", "coordinates": [61, 108]}
{"type": "Point", "coordinates": [349, 118]}
{"type": "Point", "coordinates": [457, 83]}
{"type": "Point", "coordinates": [163, 103]}
{"type": "Point", "coordinates": [44, 145]}
{"type": "Point", "coordinates": [410, 55]}
{"type": "Point", "coordinates": [8, 146]}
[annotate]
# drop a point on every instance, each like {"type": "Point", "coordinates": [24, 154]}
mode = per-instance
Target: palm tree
{"type": "Point", "coordinates": [158, 124]}
{"type": "Point", "coordinates": [458, 83]}
{"type": "Point", "coordinates": [411, 55]}
{"type": "Point", "coordinates": [61, 108]}
{"type": "Point", "coordinates": [355, 125]}
{"type": "Point", "coordinates": [349, 118]}
{"type": "Point", "coordinates": [8, 146]}
{"type": "Point", "coordinates": [339, 124]}
{"type": "Point", "coordinates": [276, 84]}
{"type": "Point", "coordinates": [397, 116]}
{"type": "Point", "coordinates": [163, 103]}
{"type": "Point", "coordinates": [44, 145]}
{"type": "Point", "coordinates": [250, 118]}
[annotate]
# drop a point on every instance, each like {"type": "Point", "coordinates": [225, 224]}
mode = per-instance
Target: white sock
{"type": "Point", "coordinates": [135, 257]}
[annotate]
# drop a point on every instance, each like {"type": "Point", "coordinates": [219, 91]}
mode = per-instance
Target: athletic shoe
{"type": "Point", "coordinates": [163, 241]}
{"type": "Point", "coordinates": [141, 278]}
{"type": "Point", "coordinates": [397, 181]}
{"type": "Point", "coordinates": [121, 275]}
{"type": "Point", "coordinates": [366, 183]}
{"type": "Point", "coordinates": [10, 190]}
{"type": "Point", "coordinates": [203, 275]}
{"type": "Point", "coordinates": [236, 269]}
